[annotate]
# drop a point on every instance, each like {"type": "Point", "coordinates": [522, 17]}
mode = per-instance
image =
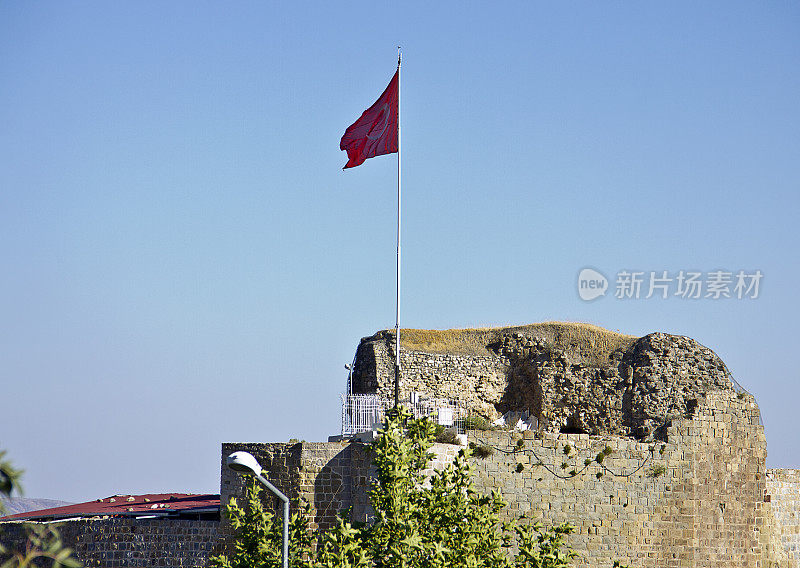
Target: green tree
{"type": "Point", "coordinates": [419, 522]}
{"type": "Point", "coordinates": [9, 478]}
{"type": "Point", "coordinates": [43, 544]}
{"type": "Point", "coordinates": [259, 536]}
{"type": "Point", "coordinates": [433, 522]}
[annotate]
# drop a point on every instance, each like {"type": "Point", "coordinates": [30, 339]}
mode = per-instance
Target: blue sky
{"type": "Point", "coordinates": [185, 262]}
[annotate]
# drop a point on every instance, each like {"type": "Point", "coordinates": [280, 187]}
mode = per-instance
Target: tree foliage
{"type": "Point", "coordinates": [43, 544]}
{"type": "Point", "coordinates": [419, 522]}
{"type": "Point", "coordinates": [539, 548]}
{"type": "Point", "coordinates": [43, 547]}
{"type": "Point", "coordinates": [259, 535]}
{"type": "Point", "coordinates": [9, 477]}
{"type": "Point", "coordinates": [433, 522]}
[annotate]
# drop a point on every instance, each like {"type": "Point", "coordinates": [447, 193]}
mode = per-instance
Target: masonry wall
{"type": "Point", "coordinates": [705, 510]}
{"type": "Point", "coordinates": [783, 491]}
{"type": "Point", "coordinates": [476, 381]}
{"type": "Point", "coordinates": [696, 500]}
{"type": "Point", "coordinates": [139, 543]}
{"type": "Point", "coordinates": [328, 476]}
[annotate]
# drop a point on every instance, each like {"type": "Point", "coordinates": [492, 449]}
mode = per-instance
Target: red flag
{"type": "Point", "coordinates": [375, 133]}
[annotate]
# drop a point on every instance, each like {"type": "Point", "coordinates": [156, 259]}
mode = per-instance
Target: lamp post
{"type": "Point", "coordinates": [246, 463]}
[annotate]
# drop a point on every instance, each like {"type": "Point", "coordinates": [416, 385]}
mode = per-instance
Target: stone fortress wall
{"type": "Point", "coordinates": [696, 500]}
{"type": "Point", "coordinates": [684, 484]}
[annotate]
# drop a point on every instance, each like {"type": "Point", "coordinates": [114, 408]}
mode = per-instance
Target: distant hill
{"type": "Point", "coordinates": [14, 505]}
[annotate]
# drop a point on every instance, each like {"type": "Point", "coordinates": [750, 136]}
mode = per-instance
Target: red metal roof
{"type": "Point", "coordinates": [157, 504]}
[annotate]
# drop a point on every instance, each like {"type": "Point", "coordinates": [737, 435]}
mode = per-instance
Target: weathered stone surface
{"type": "Point", "coordinates": [571, 377]}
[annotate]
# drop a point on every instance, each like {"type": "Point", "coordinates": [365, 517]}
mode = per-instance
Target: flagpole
{"type": "Point", "coordinates": [397, 304]}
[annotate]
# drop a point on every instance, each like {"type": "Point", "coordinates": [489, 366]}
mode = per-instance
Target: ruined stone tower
{"type": "Point", "coordinates": [572, 377]}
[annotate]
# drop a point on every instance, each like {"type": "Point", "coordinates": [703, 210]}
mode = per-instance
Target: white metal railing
{"type": "Point", "coordinates": [442, 411]}
{"type": "Point", "coordinates": [366, 412]}
{"type": "Point", "coordinates": [362, 413]}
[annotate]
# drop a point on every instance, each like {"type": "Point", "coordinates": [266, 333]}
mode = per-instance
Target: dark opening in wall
{"type": "Point", "coordinates": [574, 425]}
{"type": "Point", "coordinates": [568, 429]}
{"type": "Point", "coordinates": [691, 406]}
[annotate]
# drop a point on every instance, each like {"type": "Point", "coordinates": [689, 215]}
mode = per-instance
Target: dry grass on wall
{"type": "Point", "coordinates": [582, 337]}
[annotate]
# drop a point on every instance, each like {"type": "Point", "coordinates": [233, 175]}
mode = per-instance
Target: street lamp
{"type": "Point", "coordinates": [246, 463]}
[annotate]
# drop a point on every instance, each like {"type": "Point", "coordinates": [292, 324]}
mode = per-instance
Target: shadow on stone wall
{"type": "Point", "coordinates": [332, 490]}
{"type": "Point", "coordinates": [524, 392]}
